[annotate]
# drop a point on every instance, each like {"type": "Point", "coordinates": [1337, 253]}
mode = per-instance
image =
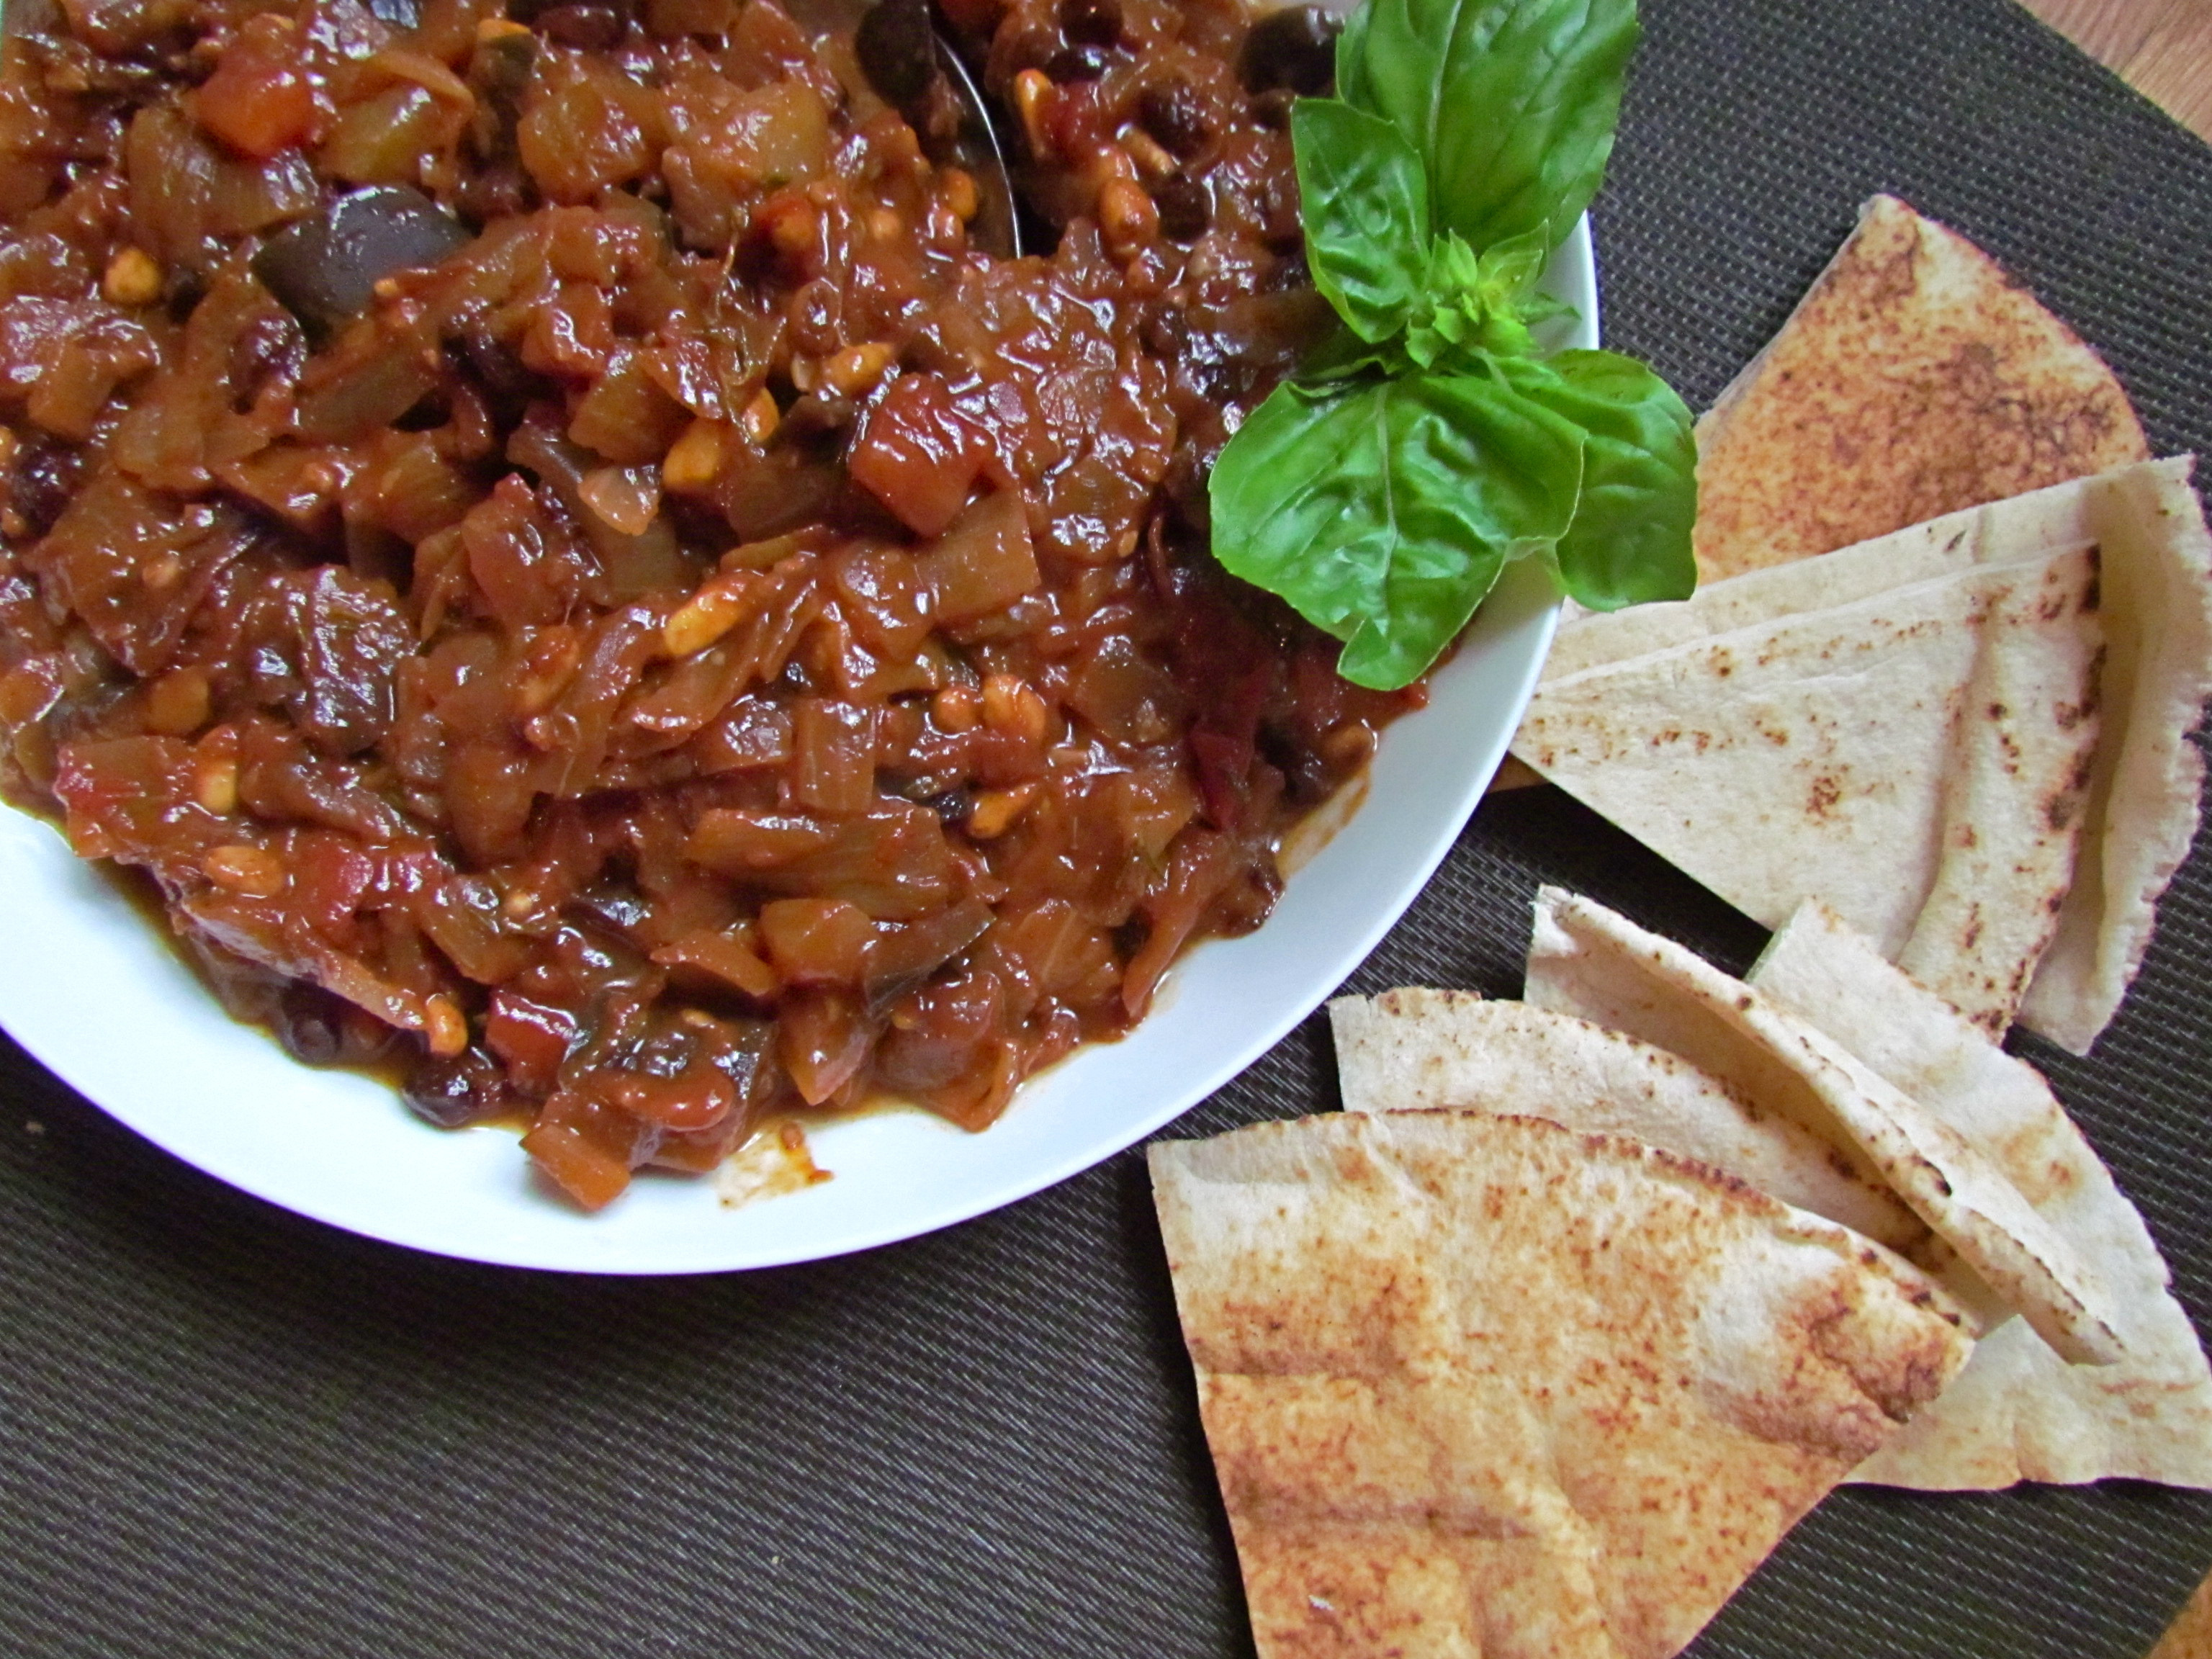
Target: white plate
{"type": "Point", "coordinates": [86, 987]}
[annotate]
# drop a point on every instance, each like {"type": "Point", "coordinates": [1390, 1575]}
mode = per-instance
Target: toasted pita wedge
{"type": "Point", "coordinates": [1915, 379]}
{"type": "Point", "coordinates": [2156, 587]}
{"type": "Point", "coordinates": [2018, 1411]}
{"type": "Point", "coordinates": [1917, 758]}
{"type": "Point", "coordinates": [1416, 1050]}
{"type": "Point", "coordinates": [1585, 960]}
{"type": "Point", "coordinates": [2023, 529]}
{"type": "Point", "coordinates": [2143, 806]}
{"type": "Point", "coordinates": [1483, 1386]}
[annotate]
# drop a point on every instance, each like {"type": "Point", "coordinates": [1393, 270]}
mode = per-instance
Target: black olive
{"type": "Point", "coordinates": [451, 1092]}
{"type": "Point", "coordinates": [499, 372]}
{"type": "Point", "coordinates": [44, 479]}
{"type": "Point", "coordinates": [1294, 49]}
{"type": "Point", "coordinates": [897, 46]}
{"type": "Point", "coordinates": [1186, 207]}
{"type": "Point", "coordinates": [1305, 773]}
{"type": "Point", "coordinates": [617, 904]}
{"type": "Point", "coordinates": [1076, 64]}
{"type": "Point", "coordinates": [311, 1024]}
{"type": "Point", "coordinates": [326, 267]}
{"type": "Point", "coordinates": [587, 26]}
{"type": "Point", "coordinates": [1172, 112]}
{"type": "Point", "coordinates": [1095, 22]}
{"type": "Point", "coordinates": [499, 70]}
{"type": "Point", "coordinates": [400, 14]}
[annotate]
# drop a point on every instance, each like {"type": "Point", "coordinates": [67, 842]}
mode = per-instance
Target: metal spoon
{"type": "Point", "coordinates": [914, 67]}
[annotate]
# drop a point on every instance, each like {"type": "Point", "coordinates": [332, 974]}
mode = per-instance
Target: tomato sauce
{"type": "Point", "coordinates": [552, 538]}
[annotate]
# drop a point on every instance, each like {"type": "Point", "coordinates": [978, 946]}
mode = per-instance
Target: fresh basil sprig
{"type": "Point", "coordinates": [1383, 489]}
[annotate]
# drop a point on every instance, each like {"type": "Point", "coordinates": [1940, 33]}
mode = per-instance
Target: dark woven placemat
{"type": "Point", "coordinates": [224, 1431]}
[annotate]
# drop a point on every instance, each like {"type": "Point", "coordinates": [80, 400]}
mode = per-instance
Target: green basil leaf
{"type": "Point", "coordinates": [1511, 103]}
{"type": "Point", "coordinates": [1383, 509]}
{"type": "Point", "coordinates": [1366, 213]}
{"type": "Point", "coordinates": [1345, 356]}
{"type": "Point", "coordinates": [1508, 272]}
{"type": "Point", "coordinates": [1630, 540]}
{"type": "Point", "coordinates": [1473, 303]}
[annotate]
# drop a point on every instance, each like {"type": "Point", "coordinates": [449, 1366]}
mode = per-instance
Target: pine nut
{"type": "Point", "coordinates": [956, 708]}
{"type": "Point", "coordinates": [132, 278]}
{"type": "Point", "coordinates": [252, 872]}
{"type": "Point", "coordinates": [857, 368]}
{"type": "Point", "coordinates": [708, 614]}
{"type": "Point", "coordinates": [445, 1027]}
{"type": "Point", "coordinates": [997, 811]}
{"type": "Point", "coordinates": [694, 460]}
{"type": "Point", "coordinates": [1011, 706]}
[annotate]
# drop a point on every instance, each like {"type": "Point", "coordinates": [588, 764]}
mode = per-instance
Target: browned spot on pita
{"type": "Point", "coordinates": [1600, 1385]}
{"type": "Point", "coordinates": [1914, 380]}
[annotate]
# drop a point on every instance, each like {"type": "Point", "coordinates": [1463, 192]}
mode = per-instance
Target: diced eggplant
{"type": "Point", "coordinates": [326, 267]}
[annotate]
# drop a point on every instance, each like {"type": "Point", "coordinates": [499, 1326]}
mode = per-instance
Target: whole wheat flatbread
{"type": "Point", "coordinates": [2018, 1411]}
{"type": "Point", "coordinates": [1480, 1386]}
{"type": "Point", "coordinates": [1914, 379]}
{"type": "Point", "coordinates": [1419, 1050]}
{"type": "Point", "coordinates": [1916, 757]}
{"type": "Point", "coordinates": [1585, 960]}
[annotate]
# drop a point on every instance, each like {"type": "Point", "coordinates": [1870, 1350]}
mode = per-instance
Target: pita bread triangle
{"type": "Point", "coordinates": [1417, 1050]}
{"type": "Point", "coordinates": [1916, 757]}
{"type": "Point", "coordinates": [1478, 1385]}
{"type": "Point", "coordinates": [2156, 588]}
{"type": "Point", "coordinates": [1585, 960]}
{"type": "Point", "coordinates": [1914, 379]}
{"type": "Point", "coordinates": [2020, 529]}
{"type": "Point", "coordinates": [2018, 1411]}
{"type": "Point", "coordinates": [2154, 560]}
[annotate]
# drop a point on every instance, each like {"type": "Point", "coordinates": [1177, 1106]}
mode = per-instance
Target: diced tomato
{"type": "Point", "coordinates": [329, 874]}
{"type": "Point", "coordinates": [697, 1100]}
{"type": "Point", "coordinates": [918, 455]}
{"type": "Point", "coordinates": [257, 102]}
{"type": "Point", "coordinates": [531, 1037]}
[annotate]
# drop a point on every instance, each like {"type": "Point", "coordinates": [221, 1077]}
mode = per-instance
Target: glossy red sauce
{"type": "Point", "coordinates": [548, 539]}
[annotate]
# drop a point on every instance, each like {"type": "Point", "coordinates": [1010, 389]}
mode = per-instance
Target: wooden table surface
{"type": "Point", "coordinates": [2163, 48]}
